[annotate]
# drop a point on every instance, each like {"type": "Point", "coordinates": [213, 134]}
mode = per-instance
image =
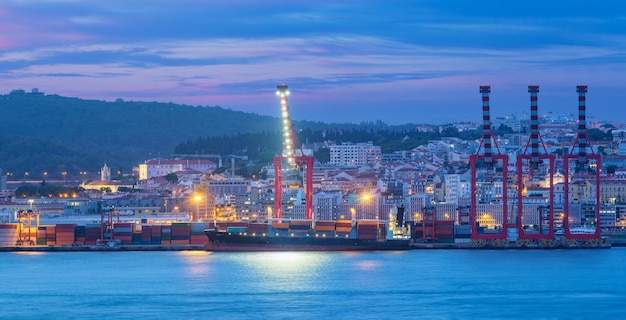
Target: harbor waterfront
{"type": "Point", "coordinates": [427, 284]}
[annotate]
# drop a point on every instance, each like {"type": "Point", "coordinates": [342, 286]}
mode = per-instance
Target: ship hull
{"type": "Point", "coordinates": [228, 241]}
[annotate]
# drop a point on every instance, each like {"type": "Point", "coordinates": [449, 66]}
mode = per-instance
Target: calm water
{"type": "Point", "coordinates": [424, 284]}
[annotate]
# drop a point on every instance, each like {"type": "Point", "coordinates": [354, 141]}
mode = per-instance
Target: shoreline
{"type": "Point", "coordinates": [414, 246]}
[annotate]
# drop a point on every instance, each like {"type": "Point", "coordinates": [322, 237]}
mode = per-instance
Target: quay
{"type": "Point", "coordinates": [413, 246]}
{"type": "Point", "coordinates": [102, 248]}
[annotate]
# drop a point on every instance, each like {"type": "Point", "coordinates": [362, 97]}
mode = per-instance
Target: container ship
{"type": "Point", "coordinates": [308, 235]}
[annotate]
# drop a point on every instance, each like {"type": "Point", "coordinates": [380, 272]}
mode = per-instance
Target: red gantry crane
{"type": "Point", "coordinates": [586, 169]}
{"type": "Point", "coordinates": [536, 225]}
{"type": "Point", "coordinates": [488, 208]}
{"type": "Point", "coordinates": [293, 155]}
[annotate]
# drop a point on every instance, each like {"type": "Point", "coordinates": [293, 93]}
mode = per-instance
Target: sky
{"type": "Point", "coordinates": [414, 61]}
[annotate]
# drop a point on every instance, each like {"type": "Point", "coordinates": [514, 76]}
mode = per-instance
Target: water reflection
{"type": "Point", "coordinates": [284, 271]}
{"type": "Point", "coordinates": [196, 262]}
{"type": "Point", "coordinates": [29, 253]}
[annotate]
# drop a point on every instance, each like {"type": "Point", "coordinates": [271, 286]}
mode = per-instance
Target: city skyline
{"type": "Point", "coordinates": [344, 62]}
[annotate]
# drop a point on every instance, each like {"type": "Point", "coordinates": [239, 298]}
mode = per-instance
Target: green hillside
{"type": "Point", "coordinates": [54, 134]}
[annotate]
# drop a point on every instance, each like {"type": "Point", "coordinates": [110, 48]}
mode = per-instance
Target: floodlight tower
{"type": "Point", "coordinates": [527, 169]}
{"type": "Point", "coordinates": [489, 165]}
{"type": "Point", "coordinates": [293, 154]}
{"type": "Point", "coordinates": [586, 168]}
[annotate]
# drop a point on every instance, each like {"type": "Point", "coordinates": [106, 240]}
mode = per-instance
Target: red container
{"type": "Point", "coordinates": [156, 231]}
{"type": "Point", "coordinates": [199, 239]}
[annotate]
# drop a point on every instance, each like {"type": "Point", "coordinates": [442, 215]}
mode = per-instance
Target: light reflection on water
{"type": "Point", "coordinates": [281, 271]}
{"type": "Point", "coordinates": [196, 262]}
{"type": "Point", "coordinates": [29, 253]}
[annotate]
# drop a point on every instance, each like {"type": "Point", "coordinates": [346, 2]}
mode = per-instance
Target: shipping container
{"type": "Point", "coordinates": [280, 225]}
{"type": "Point", "coordinates": [8, 234]}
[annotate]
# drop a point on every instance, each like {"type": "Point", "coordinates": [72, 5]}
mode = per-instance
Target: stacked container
{"type": "Point", "coordinates": [367, 230]}
{"type": "Point", "coordinates": [237, 224]}
{"type": "Point", "coordinates": [444, 231]}
{"type": "Point", "coordinates": [418, 230]}
{"type": "Point", "coordinates": [343, 226]}
{"type": "Point", "coordinates": [257, 228]}
{"type": "Point", "coordinates": [8, 234]}
{"type": "Point", "coordinates": [146, 234]}
{"type": "Point", "coordinates": [41, 236]}
{"type": "Point", "coordinates": [462, 233]}
{"type": "Point", "coordinates": [325, 228]}
{"type": "Point", "coordinates": [155, 234]}
{"type": "Point", "coordinates": [299, 226]}
{"type": "Point", "coordinates": [280, 229]}
{"type": "Point", "coordinates": [93, 232]}
{"type": "Point", "coordinates": [123, 232]}
{"type": "Point", "coordinates": [81, 235]}
{"type": "Point", "coordinates": [180, 233]}
{"type": "Point", "coordinates": [166, 235]}
{"type": "Point", "coordinates": [65, 234]}
{"type": "Point", "coordinates": [197, 233]}
{"type": "Point", "coordinates": [137, 236]}
{"type": "Point", "coordinates": [51, 235]}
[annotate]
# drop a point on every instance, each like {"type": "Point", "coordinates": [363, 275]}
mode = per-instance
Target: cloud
{"type": "Point", "coordinates": [348, 56]}
{"type": "Point", "coordinates": [87, 20]}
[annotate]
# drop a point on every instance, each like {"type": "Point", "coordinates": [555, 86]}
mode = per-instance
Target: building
{"type": "Point", "coordinates": [325, 205]}
{"type": "Point", "coordinates": [161, 167]}
{"type": "Point", "coordinates": [105, 173]}
{"type": "Point", "coordinates": [348, 154]}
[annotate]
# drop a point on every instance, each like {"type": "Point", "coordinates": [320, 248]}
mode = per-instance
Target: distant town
{"type": "Point", "coordinates": [434, 174]}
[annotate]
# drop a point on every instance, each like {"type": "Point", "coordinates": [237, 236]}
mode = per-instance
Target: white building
{"type": "Point", "coordinates": [456, 187]}
{"type": "Point", "coordinates": [348, 154]}
{"type": "Point", "coordinates": [105, 173]}
{"type": "Point", "coordinates": [324, 205]}
{"type": "Point", "coordinates": [162, 167]}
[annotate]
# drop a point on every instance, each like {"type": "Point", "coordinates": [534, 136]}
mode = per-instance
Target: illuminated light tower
{"type": "Point", "coordinates": [586, 167]}
{"type": "Point", "coordinates": [282, 91]}
{"type": "Point", "coordinates": [484, 161]}
{"type": "Point", "coordinates": [293, 154]}
{"type": "Point", "coordinates": [534, 161]}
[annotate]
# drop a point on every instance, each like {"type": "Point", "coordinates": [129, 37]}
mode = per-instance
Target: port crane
{"type": "Point", "coordinates": [492, 167]}
{"type": "Point", "coordinates": [293, 156]}
{"type": "Point", "coordinates": [25, 220]}
{"type": "Point", "coordinates": [528, 166]}
{"type": "Point", "coordinates": [585, 166]}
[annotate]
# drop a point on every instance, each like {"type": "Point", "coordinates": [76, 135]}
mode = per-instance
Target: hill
{"type": "Point", "coordinates": [54, 133]}
{"type": "Point", "coordinates": [51, 133]}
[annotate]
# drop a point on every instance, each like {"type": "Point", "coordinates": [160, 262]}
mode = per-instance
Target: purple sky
{"type": "Point", "coordinates": [418, 61]}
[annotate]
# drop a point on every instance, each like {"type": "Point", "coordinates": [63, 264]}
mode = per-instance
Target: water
{"type": "Point", "coordinates": [417, 284]}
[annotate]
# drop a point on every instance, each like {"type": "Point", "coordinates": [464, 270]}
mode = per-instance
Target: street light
{"type": "Point", "coordinates": [64, 173]}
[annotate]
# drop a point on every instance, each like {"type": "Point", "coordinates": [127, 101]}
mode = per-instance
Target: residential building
{"type": "Point", "coordinates": [348, 154]}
